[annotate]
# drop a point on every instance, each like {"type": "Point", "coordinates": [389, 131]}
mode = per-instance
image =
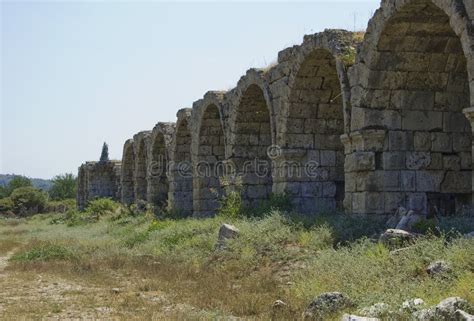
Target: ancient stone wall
{"type": "Point", "coordinates": [208, 153]}
{"type": "Point", "coordinates": [158, 163]}
{"type": "Point", "coordinates": [180, 173]}
{"type": "Point", "coordinates": [141, 145]}
{"type": "Point", "coordinates": [409, 142]}
{"type": "Point", "coordinates": [367, 124]}
{"type": "Point", "coordinates": [128, 170]}
{"type": "Point", "coordinates": [97, 180]}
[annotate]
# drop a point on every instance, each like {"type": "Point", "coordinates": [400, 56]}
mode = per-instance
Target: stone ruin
{"type": "Point", "coordinates": [98, 179]}
{"type": "Point", "coordinates": [365, 123]}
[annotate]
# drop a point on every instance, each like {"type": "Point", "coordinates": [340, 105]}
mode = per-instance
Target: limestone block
{"type": "Point", "coordinates": [329, 189]}
{"type": "Point", "coordinates": [400, 140]}
{"type": "Point", "coordinates": [393, 160]}
{"type": "Point", "coordinates": [328, 158]}
{"type": "Point", "coordinates": [422, 120]}
{"type": "Point", "coordinates": [312, 189]}
{"type": "Point", "coordinates": [414, 100]}
{"type": "Point", "coordinates": [441, 142]}
{"type": "Point", "coordinates": [422, 141]}
{"type": "Point", "coordinates": [418, 160]}
{"type": "Point", "coordinates": [465, 160]}
{"type": "Point", "coordinates": [455, 122]}
{"type": "Point", "coordinates": [462, 142]}
{"type": "Point", "coordinates": [408, 181]}
{"type": "Point", "coordinates": [360, 161]}
{"type": "Point", "coordinates": [457, 182]}
{"type": "Point", "coordinates": [452, 162]}
{"type": "Point", "coordinates": [429, 181]}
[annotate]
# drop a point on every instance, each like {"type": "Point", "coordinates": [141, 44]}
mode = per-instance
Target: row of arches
{"type": "Point", "coordinates": [389, 131]}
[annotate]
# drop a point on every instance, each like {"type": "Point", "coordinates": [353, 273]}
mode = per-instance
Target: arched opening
{"type": "Point", "coordinates": [157, 172]}
{"type": "Point", "coordinates": [181, 178]}
{"type": "Point", "coordinates": [251, 142]}
{"type": "Point", "coordinates": [313, 129]}
{"type": "Point", "coordinates": [420, 80]}
{"type": "Point", "coordinates": [140, 171]}
{"type": "Point", "coordinates": [209, 166]}
{"type": "Point", "coordinates": [128, 169]}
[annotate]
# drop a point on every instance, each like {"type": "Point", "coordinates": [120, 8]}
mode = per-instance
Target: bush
{"type": "Point", "coordinates": [64, 187]}
{"type": "Point", "coordinates": [61, 206]}
{"type": "Point", "coordinates": [28, 201]}
{"type": "Point", "coordinates": [44, 252]}
{"type": "Point", "coordinates": [6, 205]}
{"type": "Point", "coordinates": [231, 205]}
{"type": "Point", "coordinates": [101, 207]}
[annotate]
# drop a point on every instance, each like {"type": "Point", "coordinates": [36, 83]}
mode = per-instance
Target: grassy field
{"type": "Point", "coordinates": [118, 266]}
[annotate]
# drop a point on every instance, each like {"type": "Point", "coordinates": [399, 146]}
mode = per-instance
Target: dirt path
{"type": "Point", "coordinates": [28, 295]}
{"type": "Point", "coordinates": [4, 261]}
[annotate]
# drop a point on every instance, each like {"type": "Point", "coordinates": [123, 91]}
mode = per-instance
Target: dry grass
{"type": "Point", "coordinates": [170, 269]}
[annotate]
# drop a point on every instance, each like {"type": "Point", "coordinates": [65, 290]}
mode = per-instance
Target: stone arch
{"type": "Point", "coordinates": [180, 196]}
{"type": "Point", "coordinates": [410, 144]}
{"type": "Point", "coordinates": [208, 154]}
{"type": "Point", "coordinates": [127, 173]}
{"type": "Point", "coordinates": [158, 162]}
{"type": "Point", "coordinates": [141, 141]}
{"type": "Point", "coordinates": [251, 135]}
{"type": "Point", "coordinates": [311, 97]}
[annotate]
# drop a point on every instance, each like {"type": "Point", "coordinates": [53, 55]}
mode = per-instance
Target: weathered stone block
{"type": "Point", "coordinates": [328, 158]}
{"type": "Point", "coordinates": [441, 142]}
{"type": "Point", "coordinates": [400, 140]}
{"type": "Point", "coordinates": [360, 161]}
{"type": "Point", "coordinates": [393, 160]}
{"type": "Point", "coordinates": [414, 100]}
{"type": "Point", "coordinates": [408, 181]}
{"type": "Point", "coordinates": [429, 181]}
{"type": "Point", "coordinates": [422, 120]}
{"type": "Point", "coordinates": [418, 160]}
{"type": "Point", "coordinates": [451, 162]}
{"type": "Point", "coordinates": [422, 141]}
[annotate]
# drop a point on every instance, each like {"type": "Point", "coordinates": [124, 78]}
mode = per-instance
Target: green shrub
{"type": "Point", "coordinates": [44, 252]}
{"type": "Point", "coordinates": [64, 187]}
{"type": "Point", "coordinates": [17, 182]}
{"type": "Point", "coordinates": [101, 206]}
{"type": "Point", "coordinates": [6, 204]}
{"type": "Point", "coordinates": [276, 202]}
{"type": "Point", "coordinates": [28, 201]}
{"type": "Point", "coordinates": [61, 206]}
{"type": "Point", "coordinates": [231, 206]}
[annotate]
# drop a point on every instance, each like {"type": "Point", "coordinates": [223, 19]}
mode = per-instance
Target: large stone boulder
{"type": "Point", "coordinates": [446, 309]}
{"type": "Point", "coordinates": [396, 238]}
{"type": "Point", "coordinates": [325, 304]}
{"type": "Point", "coordinates": [226, 232]}
{"type": "Point", "coordinates": [453, 308]}
{"type": "Point", "coordinates": [438, 268]}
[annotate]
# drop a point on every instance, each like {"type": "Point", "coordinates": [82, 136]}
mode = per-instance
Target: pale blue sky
{"type": "Point", "coordinates": [76, 74]}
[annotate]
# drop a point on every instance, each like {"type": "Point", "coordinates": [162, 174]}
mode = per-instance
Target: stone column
{"type": "Point", "coordinates": [469, 113]}
{"type": "Point", "coordinates": [364, 176]}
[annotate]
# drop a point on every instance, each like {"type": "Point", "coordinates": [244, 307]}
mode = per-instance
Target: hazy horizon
{"type": "Point", "coordinates": [74, 75]}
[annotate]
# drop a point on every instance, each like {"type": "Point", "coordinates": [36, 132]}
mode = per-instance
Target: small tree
{"type": "Point", "coordinates": [17, 182]}
{"type": "Point", "coordinates": [64, 187]}
{"type": "Point", "coordinates": [104, 156]}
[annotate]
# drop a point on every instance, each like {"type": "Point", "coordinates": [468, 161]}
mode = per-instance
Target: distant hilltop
{"type": "Point", "coordinates": [43, 184]}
